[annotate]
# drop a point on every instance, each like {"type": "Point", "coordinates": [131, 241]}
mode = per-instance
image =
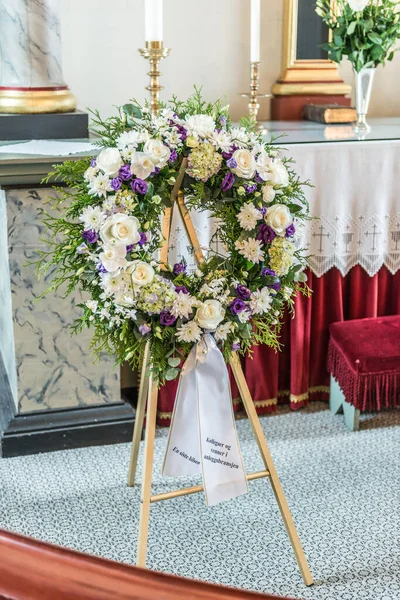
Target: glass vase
{"type": "Point", "coordinates": [363, 86]}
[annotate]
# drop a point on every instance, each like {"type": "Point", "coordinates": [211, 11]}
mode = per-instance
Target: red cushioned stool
{"type": "Point", "coordinates": [364, 363]}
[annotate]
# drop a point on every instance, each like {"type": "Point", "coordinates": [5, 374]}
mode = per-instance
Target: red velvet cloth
{"type": "Point", "coordinates": [364, 358]}
{"type": "Point", "coordinates": [368, 345]}
{"type": "Point", "coordinates": [299, 372]}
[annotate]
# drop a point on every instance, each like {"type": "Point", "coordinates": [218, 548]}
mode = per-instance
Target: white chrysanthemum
{"type": "Point", "coordinates": [100, 185]}
{"type": "Point", "coordinates": [200, 125]}
{"type": "Point", "coordinates": [222, 331]}
{"type": "Point", "coordinates": [173, 138]}
{"type": "Point", "coordinates": [168, 113]}
{"type": "Point", "coordinates": [221, 140]}
{"type": "Point", "coordinates": [189, 332]}
{"type": "Point", "coordinates": [92, 305]}
{"type": "Point", "coordinates": [182, 306]}
{"type": "Point", "coordinates": [260, 301]}
{"type": "Point", "coordinates": [250, 249]}
{"type": "Point", "coordinates": [244, 316]}
{"type": "Point", "coordinates": [248, 216]}
{"type": "Point", "coordinates": [113, 283]}
{"type": "Point", "coordinates": [129, 139]}
{"type": "Point", "coordinates": [128, 153]}
{"type": "Point", "coordinates": [240, 137]}
{"type": "Point", "coordinates": [92, 217]}
{"type": "Point", "coordinates": [90, 174]}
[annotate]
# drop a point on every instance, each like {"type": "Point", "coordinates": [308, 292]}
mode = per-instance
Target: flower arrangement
{"type": "Point", "coordinates": [363, 30]}
{"type": "Point", "coordinates": [107, 238]}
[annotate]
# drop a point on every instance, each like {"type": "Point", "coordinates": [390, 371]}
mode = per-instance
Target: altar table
{"type": "Point", "coordinates": [354, 244]}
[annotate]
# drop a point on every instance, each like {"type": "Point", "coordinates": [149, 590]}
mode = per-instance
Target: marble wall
{"type": "Point", "coordinates": [30, 44]}
{"type": "Point", "coordinates": [54, 369]}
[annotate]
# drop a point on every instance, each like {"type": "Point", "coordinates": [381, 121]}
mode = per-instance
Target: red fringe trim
{"type": "Point", "coordinates": [365, 391]}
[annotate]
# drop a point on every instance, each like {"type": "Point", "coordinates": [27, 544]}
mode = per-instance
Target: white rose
{"type": "Point", "coordinates": [358, 5]}
{"type": "Point", "coordinates": [279, 218]}
{"type": "Point", "coordinates": [109, 161]}
{"type": "Point", "coordinates": [200, 125]}
{"type": "Point", "coordinates": [210, 314]}
{"type": "Point", "coordinates": [121, 228]}
{"type": "Point", "coordinates": [141, 273]}
{"type": "Point", "coordinates": [268, 193]}
{"type": "Point", "coordinates": [246, 164]}
{"type": "Point", "coordinates": [141, 165]}
{"type": "Point", "coordinates": [113, 256]}
{"type": "Point", "coordinates": [158, 152]}
{"type": "Point", "coordinates": [272, 169]}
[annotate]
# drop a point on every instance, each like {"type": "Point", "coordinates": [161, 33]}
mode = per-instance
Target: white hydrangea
{"type": "Point", "coordinates": [129, 139]}
{"type": "Point", "coordinates": [200, 125]}
{"type": "Point", "coordinates": [248, 216]}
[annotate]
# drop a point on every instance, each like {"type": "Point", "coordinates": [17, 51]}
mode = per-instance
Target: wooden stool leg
{"type": "Point", "coordinates": [336, 397]}
{"type": "Point", "coordinates": [139, 417]}
{"type": "Point", "coordinates": [269, 465]}
{"type": "Point", "coordinates": [147, 473]}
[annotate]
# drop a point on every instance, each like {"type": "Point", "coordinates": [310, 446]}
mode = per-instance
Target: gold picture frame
{"type": "Point", "coordinates": [300, 76]}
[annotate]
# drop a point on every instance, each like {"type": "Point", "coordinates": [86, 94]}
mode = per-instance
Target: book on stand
{"type": "Point", "coordinates": [329, 113]}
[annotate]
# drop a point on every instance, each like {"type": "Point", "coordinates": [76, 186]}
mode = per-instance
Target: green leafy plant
{"type": "Point", "coordinates": [363, 31]}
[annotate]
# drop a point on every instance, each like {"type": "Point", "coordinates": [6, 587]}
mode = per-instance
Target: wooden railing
{"type": "Point", "coordinates": [33, 570]}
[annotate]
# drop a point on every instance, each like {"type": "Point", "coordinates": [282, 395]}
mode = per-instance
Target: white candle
{"type": "Point", "coordinates": [255, 31]}
{"type": "Point", "coordinates": [153, 20]}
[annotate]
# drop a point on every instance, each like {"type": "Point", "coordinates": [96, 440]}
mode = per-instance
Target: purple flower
{"type": "Point", "coordinates": [82, 249]}
{"type": "Point", "coordinates": [235, 346]}
{"type": "Point", "coordinates": [259, 179]}
{"type": "Point", "coordinates": [222, 120]}
{"type": "Point", "coordinates": [144, 329]}
{"type": "Point", "coordinates": [173, 156]}
{"type": "Point", "coordinates": [156, 171]}
{"type": "Point", "coordinates": [139, 186]}
{"type": "Point", "coordinates": [143, 238]}
{"type": "Point", "coordinates": [116, 183]}
{"type": "Point", "coordinates": [263, 210]}
{"type": "Point", "coordinates": [250, 188]}
{"type": "Point", "coordinates": [276, 286]}
{"type": "Point", "coordinates": [291, 230]}
{"type": "Point", "coordinates": [101, 268]}
{"type": "Point", "coordinates": [265, 233]}
{"type": "Point", "coordinates": [166, 318]}
{"type": "Point", "coordinates": [93, 162]}
{"type": "Point", "coordinates": [243, 292]}
{"type": "Point", "coordinates": [129, 248]}
{"type": "Point", "coordinates": [268, 272]}
{"type": "Point", "coordinates": [90, 236]}
{"type": "Point", "coordinates": [227, 182]}
{"type": "Point", "coordinates": [181, 288]}
{"type": "Point", "coordinates": [231, 162]}
{"type": "Point", "coordinates": [228, 155]}
{"type": "Point", "coordinates": [237, 306]}
{"type": "Point", "coordinates": [179, 268]}
{"type": "Point", "coordinates": [125, 173]}
{"type": "Point", "coordinates": [182, 132]}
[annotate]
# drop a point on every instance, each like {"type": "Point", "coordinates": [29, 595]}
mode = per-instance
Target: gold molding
{"type": "Point", "coordinates": [36, 101]}
{"type": "Point", "coordinates": [304, 76]}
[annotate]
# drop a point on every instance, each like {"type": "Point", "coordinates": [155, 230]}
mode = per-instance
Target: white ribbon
{"type": "Point", "coordinates": [202, 436]}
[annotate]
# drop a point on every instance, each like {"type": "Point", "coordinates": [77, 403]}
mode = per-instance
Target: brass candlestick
{"type": "Point", "coordinates": [154, 52]}
{"type": "Point", "coordinates": [253, 95]}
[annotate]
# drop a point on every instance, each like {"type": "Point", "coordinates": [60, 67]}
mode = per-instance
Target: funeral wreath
{"type": "Point", "coordinates": [105, 235]}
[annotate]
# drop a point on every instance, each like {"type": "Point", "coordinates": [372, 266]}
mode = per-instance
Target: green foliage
{"type": "Point", "coordinates": [366, 37]}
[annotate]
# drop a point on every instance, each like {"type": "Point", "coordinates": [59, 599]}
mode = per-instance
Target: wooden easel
{"type": "Point", "coordinates": [148, 388]}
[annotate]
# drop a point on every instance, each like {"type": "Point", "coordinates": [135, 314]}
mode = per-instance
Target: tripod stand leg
{"type": "Point", "coordinates": [269, 465]}
{"type": "Point", "coordinates": [139, 417]}
{"type": "Point", "coordinates": [147, 473]}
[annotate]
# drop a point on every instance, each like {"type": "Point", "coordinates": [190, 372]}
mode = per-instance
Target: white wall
{"type": "Point", "coordinates": [210, 47]}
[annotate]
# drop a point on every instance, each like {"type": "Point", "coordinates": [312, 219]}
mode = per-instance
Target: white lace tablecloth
{"type": "Point", "coordinates": [356, 197]}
